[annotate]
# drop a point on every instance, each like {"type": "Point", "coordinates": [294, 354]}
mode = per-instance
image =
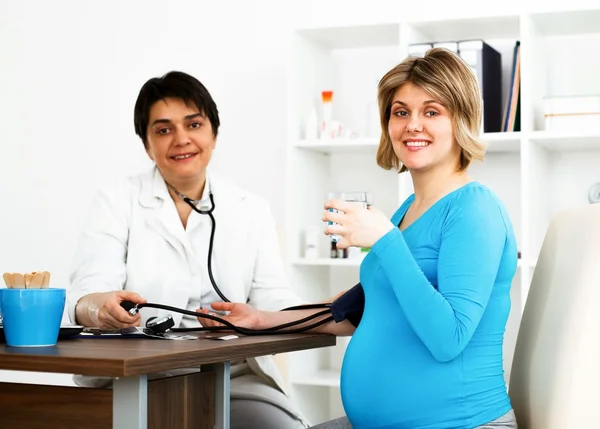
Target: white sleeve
{"type": "Point", "coordinates": [99, 264]}
{"type": "Point", "coordinates": [270, 289]}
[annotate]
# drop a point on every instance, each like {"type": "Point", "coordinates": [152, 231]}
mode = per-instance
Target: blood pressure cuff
{"type": "Point", "coordinates": [349, 306]}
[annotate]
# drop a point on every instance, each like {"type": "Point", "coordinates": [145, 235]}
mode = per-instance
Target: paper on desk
{"type": "Point", "coordinates": [134, 330]}
{"type": "Point", "coordinates": [137, 332]}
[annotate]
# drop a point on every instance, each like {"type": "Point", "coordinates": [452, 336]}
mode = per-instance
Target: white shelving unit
{"type": "Point", "coordinates": [535, 172]}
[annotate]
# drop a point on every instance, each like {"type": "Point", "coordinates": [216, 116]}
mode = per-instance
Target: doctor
{"type": "Point", "coordinates": [143, 242]}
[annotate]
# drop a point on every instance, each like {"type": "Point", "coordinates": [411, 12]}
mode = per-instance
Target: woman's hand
{"type": "Point", "coordinates": [240, 315]}
{"type": "Point", "coordinates": [358, 226]}
{"type": "Point", "coordinates": [104, 311]}
{"type": "Point", "coordinates": [245, 316]}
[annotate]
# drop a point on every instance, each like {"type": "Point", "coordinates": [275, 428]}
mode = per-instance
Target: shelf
{"type": "Point", "coordinates": [564, 141]}
{"type": "Point", "coordinates": [502, 142]}
{"type": "Point", "coordinates": [325, 377]}
{"type": "Point", "coordinates": [502, 27]}
{"type": "Point", "coordinates": [354, 37]}
{"type": "Point", "coordinates": [341, 145]}
{"type": "Point", "coordinates": [329, 262]}
{"type": "Point", "coordinates": [567, 22]}
{"type": "Point", "coordinates": [349, 262]}
{"type": "Point", "coordinates": [497, 142]}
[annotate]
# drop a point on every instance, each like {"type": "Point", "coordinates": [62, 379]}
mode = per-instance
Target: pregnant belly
{"type": "Point", "coordinates": [388, 376]}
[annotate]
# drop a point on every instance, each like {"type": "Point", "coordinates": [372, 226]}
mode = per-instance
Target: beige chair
{"type": "Point", "coordinates": [555, 377]}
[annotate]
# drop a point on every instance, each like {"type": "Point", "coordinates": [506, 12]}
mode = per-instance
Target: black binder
{"type": "Point", "coordinates": [486, 63]}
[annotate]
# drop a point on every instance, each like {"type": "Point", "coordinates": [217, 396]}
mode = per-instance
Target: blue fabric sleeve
{"type": "Point", "coordinates": [473, 239]}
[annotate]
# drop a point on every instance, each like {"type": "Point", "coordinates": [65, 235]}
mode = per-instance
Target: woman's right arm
{"type": "Point", "coordinates": [99, 267]}
{"type": "Point", "coordinates": [246, 316]}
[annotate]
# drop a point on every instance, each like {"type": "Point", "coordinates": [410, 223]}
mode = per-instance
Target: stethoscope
{"type": "Point", "coordinates": [209, 211]}
{"type": "Point", "coordinates": [160, 326]}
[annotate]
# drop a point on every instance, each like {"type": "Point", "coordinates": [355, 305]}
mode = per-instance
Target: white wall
{"type": "Point", "coordinates": [70, 72]}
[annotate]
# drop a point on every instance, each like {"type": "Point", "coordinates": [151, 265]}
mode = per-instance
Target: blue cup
{"type": "Point", "coordinates": [32, 317]}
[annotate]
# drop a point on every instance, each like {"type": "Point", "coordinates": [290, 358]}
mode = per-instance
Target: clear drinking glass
{"type": "Point", "coordinates": [358, 197]}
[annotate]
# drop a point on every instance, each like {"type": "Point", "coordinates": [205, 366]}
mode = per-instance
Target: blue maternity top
{"type": "Point", "coordinates": [427, 353]}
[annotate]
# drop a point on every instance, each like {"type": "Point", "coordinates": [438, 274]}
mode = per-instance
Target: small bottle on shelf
{"type": "Point", "coordinates": [334, 250]}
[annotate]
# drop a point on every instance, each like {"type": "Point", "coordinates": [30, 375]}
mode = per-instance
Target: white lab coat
{"type": "Point", "coordinates": [134, 240]}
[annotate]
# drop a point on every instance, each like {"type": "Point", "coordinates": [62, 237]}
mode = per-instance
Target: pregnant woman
{"type": "Point", "coordinates": [434, 292]}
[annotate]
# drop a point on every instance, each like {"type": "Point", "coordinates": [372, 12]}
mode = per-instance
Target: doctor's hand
{"type": "Point", "coordinates": [357, 226]}
{"type": "Point", "coordinates": [241, 315]}
{"type": "Point", "coordinates": [104, 311]}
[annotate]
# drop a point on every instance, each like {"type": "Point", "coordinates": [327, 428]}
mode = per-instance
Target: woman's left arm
{"type": "Point", "coordinates": [472, 245]}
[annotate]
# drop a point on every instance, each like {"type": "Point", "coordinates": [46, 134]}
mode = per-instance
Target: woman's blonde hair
{"type": "Point", "coordinates": [449, 80]}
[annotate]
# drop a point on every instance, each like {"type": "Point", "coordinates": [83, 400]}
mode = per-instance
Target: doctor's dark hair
{"type": "Point", "coordinates": [449, 80]}
{"type": "Point", "coordinates": [174, 84]}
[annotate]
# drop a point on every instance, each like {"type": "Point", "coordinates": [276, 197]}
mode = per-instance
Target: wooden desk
{"type": "Point", "coordinates": [130, 361]}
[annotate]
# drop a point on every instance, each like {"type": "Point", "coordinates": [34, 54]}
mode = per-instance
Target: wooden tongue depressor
{"type": "Point", "coordinates": [46, 281]}
{"type": "Point", "coordinates": [28, 277]}
{"type": "Point", "coordinates": [8, 279]}
{"type": "Point", "coordinates": [34, 280]}
{"type": "Point", "coordinates": [37, 280]}
{"type": "Point", "coordinates": [18, 281]}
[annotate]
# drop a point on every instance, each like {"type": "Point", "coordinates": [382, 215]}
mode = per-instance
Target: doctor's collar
{"type": "Point", "coordinates": [206, 193]}
{"type": "Point", "coordinates": [160, 188]}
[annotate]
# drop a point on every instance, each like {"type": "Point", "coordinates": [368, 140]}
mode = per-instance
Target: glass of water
{"type": "Point", "coordinates": [358, 197]}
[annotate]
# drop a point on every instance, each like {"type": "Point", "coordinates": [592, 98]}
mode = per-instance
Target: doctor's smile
{"type": "Point", "coordinates": [180, 140]}
{"type": "Point", "coordinates": [184, 157]}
